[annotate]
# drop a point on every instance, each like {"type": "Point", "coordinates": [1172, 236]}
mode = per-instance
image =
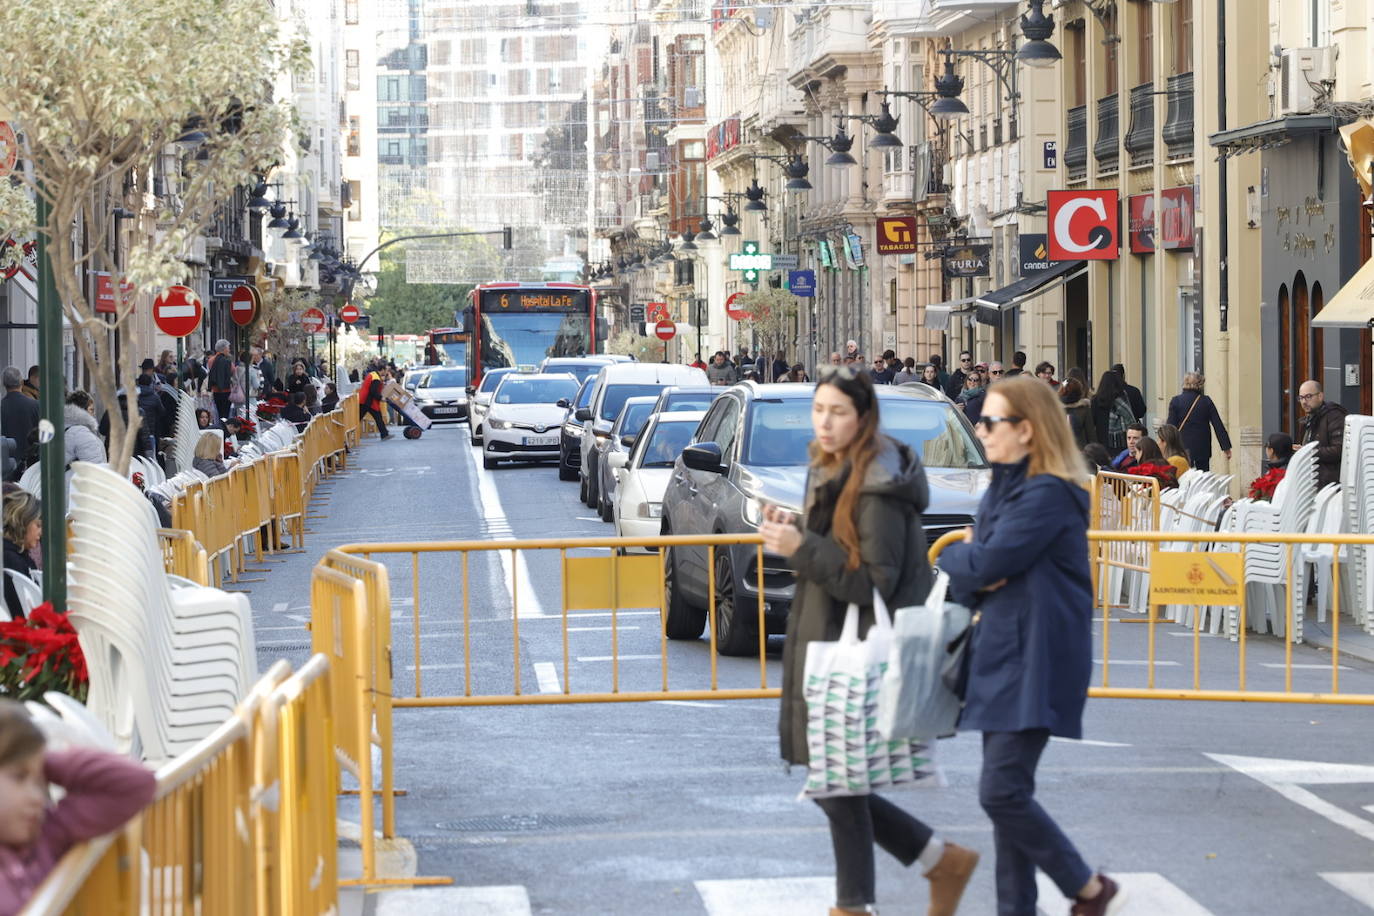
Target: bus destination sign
{"type": "Point", "coordinates": [534, 300]}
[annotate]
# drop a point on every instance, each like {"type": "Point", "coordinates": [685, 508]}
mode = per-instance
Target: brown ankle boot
{"type": "Point", "coordinates": [841, 911]}
{"type": "Point", "coordinates": [948, 879]}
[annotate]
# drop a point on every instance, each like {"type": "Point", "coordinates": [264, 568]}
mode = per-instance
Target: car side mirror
{"type": "Point", "coordinates": [627, 441]}
{"type": "Point", "coordinates": [471, 390]}
{"type": "Point", "coordinates": [583, 414]}
{"type": "Point", "coordinates": [705, 456]}
{"type": "Point", "coordinates": [564, 403]}
{"type": "Point", "coordinates": [617, 460]}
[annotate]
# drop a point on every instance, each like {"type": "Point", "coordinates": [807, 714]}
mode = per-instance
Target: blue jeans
{"type": "Point", "coordinates": [1025, 837]}
{"type": "Point", "coordinates": [856, 822]}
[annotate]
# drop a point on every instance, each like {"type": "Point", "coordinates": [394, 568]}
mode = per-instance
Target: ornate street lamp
{"type": "Point", "coordinates": [754, 193]}
{"type": "Point", "coordinates": [1037, 28]}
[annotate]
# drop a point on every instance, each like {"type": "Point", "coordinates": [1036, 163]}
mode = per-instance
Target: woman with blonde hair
{"type": "Point", "coordinates": [1195, 416]}
{"type": "Point", "coordinates": [1024, 569]}
{"type": "Point", "coordinates": [209, 458]}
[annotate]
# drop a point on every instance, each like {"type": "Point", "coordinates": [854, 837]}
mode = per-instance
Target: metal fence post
{"type": "Point", "coordinates": [51, 390]}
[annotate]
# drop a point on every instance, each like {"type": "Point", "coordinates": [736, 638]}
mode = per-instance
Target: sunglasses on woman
{"type": "Point", "coordinates": [836, 371]}
{"type": "Point", "coordinates": [990, 422]}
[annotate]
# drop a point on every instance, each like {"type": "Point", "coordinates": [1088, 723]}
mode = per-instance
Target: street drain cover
{"type": "Point", "coordinates": [520, 823]}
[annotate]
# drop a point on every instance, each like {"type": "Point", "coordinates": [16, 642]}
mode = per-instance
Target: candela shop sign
{"type": "Point", "coordinates": [1171, 231]}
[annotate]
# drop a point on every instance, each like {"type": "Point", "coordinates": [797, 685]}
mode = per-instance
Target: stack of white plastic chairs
{"type": "Point", "coordinates": [341, 382]}
{"type": "Point", "coordinates": [31, 479]}
{"type": "Point", "coordinates": [1327, 518]}
{"type": "Point", "coordinates": [1267, 570]}
{"type": "Point", "coordinates": [185, 432]}
{"type": "Point", "coordinates": [1195, 506]}
{"type": "Point", "coordinates": [1357, 490]}
{"type": "Point", "coordinates": [168, 661]}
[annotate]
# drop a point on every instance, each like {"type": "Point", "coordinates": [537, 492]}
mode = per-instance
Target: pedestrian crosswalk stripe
{"type": "Point", "coordinates": [766, 896]}
{"type": "Point", "coordinates": [494, 900]}
{"type": "Point", "coordinates": [547, 676]}
{"type": "Point", "coordinates": [1147, 894]}
{"type": "Point", "coordinates": [1357, 884]}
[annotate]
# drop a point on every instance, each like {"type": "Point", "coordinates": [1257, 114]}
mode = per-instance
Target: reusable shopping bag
{"type": "Point", "coordinates": [914, 700]}
{"type": "Point", "coordinates": [849, 756]}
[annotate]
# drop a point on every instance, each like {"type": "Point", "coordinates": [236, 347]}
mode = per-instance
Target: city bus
{"type": "Point", "coordinates": [520, 324]}
{"type": "Point", "coordinates": [447, 347]}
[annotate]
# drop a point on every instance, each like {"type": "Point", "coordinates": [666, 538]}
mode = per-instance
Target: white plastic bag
{"type": "Point", "coordinates": [848, 756]}
{"type": "Point", "coordinates": [913, 701]}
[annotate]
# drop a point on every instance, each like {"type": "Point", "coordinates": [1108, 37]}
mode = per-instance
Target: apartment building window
{"type": "Point", "coordinates": [352, 78]}
{"type": "Point", "coordinates": [350, 12]}
{"type": "Point", "coordinates": [1183, 36]}
{"type": "Point", "coordinates": [518, 82]}
{"type": "Point", "coordinates": [355, 200]}
{"type": "Point", "coordinates": [1319, 22]}
{"type": "Point", "coordinates": [355, 133]}
{"type": "Point", "coordinates": [510, 50]}
{"type": "Point", "coordinates": [390, 89]}
{"type": "Point", "coordinates": [1078, 61]}
{"type": "Point", "coordinates": [1145, 43]}
{"type": "Point", "coordinates": [442, 53]}
{"type": "Point", "coordinates": [472, 51]}
{"type": "Point", "coordinates": [1110, 79]}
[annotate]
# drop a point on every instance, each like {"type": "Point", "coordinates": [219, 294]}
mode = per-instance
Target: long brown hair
{"type": "Point", "coordinates": [858, 387]}
{"type": "Point", "coordinates": [1053, 449]}
{"type": "Point", "coordinates": [19, 737]}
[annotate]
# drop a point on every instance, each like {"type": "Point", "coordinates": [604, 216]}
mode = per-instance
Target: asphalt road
{"type": "Point", "coordinates": [684, 807]}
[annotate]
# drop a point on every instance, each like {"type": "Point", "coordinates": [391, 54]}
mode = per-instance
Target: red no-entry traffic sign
{"type": "Point", "coordinates": [177, 311]}
{"type": "Point", "coordinates": [665, 330]}
{"type": "Point", "coordinates": [734, 311]}
{"type": "Point", "coordinates": [243, 305]}
{"type": "Point", "coordinates": [312, 320]}
{"type": "Point", "coordinates": [349, 313]}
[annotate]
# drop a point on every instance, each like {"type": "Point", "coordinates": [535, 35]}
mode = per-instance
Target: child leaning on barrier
{"type": "Point", "coordinates": [103, 791]}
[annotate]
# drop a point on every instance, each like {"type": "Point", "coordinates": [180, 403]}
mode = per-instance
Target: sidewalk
{"type": "Point", "coordinates": [1355, 642]}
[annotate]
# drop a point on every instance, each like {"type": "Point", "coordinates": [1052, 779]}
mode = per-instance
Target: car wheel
{"type": "Point", "coordinates": [593, 491]}
{"type": "Point", "coordinates": [736, 630]}
{"type": "Point", "coordinates": [489, 463]}
{"type": "Point", "coordinates": [565, 472]}
{"type": "Point", "coordinates": [476, 435]}
{"type": "Point", "coordinates": [606, 509]}
{"type": "Point", "coordinates": [681, 620]}
{"type": "Point", "coordinates": [582, 488]}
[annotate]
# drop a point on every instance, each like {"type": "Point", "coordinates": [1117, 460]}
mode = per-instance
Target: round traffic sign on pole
{"type": "Point", "coordinates": [312, 320]}
{"type": "Point", "coordinates": [733, 310]}
{"type": "Point", "coordinates": [177, 312]}
{"type": "Point", "coordinates": [349, 313]}
{"type": "Point", "coordinates": [243, 305]}
{"type": "Point", "coordinates": [665, 330]}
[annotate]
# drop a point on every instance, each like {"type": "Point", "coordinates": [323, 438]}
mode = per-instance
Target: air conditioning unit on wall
{"type": "Point", "coordinates": [1306, 75]}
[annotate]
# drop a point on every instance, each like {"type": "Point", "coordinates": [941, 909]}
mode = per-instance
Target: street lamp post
{"type": "Point", "coordinates": [51, 450]}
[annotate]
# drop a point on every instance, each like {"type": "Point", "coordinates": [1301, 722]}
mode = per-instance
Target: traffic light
{"type": "Point", "coordinates": [505, 235]}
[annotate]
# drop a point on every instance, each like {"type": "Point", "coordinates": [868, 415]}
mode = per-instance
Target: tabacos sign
{"type": "Point", "coordinates": [1084, 225]}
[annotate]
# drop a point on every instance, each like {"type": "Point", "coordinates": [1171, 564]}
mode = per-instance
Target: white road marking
{"type": "Point", "coordinates": [1091, 743]}
{"type": "Point", "coordinates": [1287, 777]}
{"type": "Point", "coordinates": [547, 676]}
{"type": "Point", "coordinates": [599, 629]}
{"type": "Point", "coordinates": [690, 703]}
{"type": "Point", "coordinates": [766, 896]}
{"type": "Point", "coordinates": [280, 607]}
{"type": "Point", "coordinates": [601, 614]}
{"type": "Point", "coordinates": [269, 629]}
{"type": "Point", "coordinates": [1147, 894]}
{"type": "Point", "coordinates": [1189, 635]}
{"type": "Point", "coordinates": [623, 658]}
{"type": "Point", "coordinates": [444, 667]}
{"type": "Point", "coordinates": [494, 900]}
{"type": "Point", "coordinates": [1138, 662]}
{"type": "Point", "coordinates": [526, 599]}
{"type": "Point", "coordinates": [1357, 884]}
{"type": "Point", "coordinates": [1303, 667]}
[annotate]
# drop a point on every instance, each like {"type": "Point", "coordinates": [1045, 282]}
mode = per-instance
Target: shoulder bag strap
{"type": "Point", "coordinates": [1189, 413]}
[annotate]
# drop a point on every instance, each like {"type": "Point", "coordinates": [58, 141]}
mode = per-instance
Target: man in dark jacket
{"type": "Point", "coordinates": [955, 383]}
{"type": "Point", "coordinates": [221, 378]}
{"type": "Point", "coordinates": [18, 415]}
{"type": "Point", "coordinates": [1324, 425]}
{"type": "Point", "coordinates": [1133, 395]}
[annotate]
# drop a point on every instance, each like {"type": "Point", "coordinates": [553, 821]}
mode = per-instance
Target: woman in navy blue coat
{"type": "Point", "coordinates": [1024, 568]}
{"type": "Point", "coordinates": [1195, 416]}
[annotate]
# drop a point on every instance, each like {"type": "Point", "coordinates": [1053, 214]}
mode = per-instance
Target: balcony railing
{"type": "Point", "coordinates": [1140, 138]}
{"type": "Point", "coordinates": [1076, 150]}
{"type": "Point", "coordinates": [1108, 133]}
{"type": "Point", "coordinates": [1178, 120]}
{"type": "Point", "coordinates": [230, 225]}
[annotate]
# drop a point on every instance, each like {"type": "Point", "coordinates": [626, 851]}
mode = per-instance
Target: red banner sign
{"type": "Point", "coordinates": [1171, 229]}
{"type": "Point", "coordinates": [105, 302]}
{"type": "Point", "coordinates": [722, 137]}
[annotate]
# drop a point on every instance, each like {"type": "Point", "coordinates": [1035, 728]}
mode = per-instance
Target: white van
{"type": "Point", "coordinates": [614, 385]}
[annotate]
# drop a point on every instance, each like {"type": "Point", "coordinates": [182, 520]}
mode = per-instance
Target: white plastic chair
{"type": "Point", "coordinates": [30, 592]}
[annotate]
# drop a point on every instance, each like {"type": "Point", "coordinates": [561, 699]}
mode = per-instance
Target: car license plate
{"type": "Point", "coordinates": [446, 410]}
{"type": "Point", "coordinates": [541, 440]}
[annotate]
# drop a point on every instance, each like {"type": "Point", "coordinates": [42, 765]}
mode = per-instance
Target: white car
{"type": "Point", "coordinates": [477, 406]}
{"type": "Point", "coordinates": [642, 473]}
{"type": "Point", "coordinates": [524, 418]}
{"type": "Point", "coordinates": [443, 394]}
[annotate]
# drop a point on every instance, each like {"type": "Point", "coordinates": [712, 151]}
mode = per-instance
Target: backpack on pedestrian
{"type": "Point", "coordinates": [1118, 418]}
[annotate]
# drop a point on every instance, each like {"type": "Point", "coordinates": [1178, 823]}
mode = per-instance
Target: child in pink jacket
{"type": "Point", "coordinates": [102, 792]}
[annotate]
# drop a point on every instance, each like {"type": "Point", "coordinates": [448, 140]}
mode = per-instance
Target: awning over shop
{"type": "Point", "coordinates": [1353, 304]}
{"type": "Point", "coordinates": [1267, 134]}
{"type": "Point", "coordinates": [992, 304]}
{"type": "Point", "coordinates": [937, 313]}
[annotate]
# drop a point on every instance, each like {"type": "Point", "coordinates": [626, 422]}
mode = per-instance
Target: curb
{"type": "Point", "coordinates": [1355, 642]}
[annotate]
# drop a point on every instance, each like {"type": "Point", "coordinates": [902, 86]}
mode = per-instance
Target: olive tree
{"type": "Point", "coordinates": [137, 119]}
{"type": "Point", "coordinates": [772, 318]}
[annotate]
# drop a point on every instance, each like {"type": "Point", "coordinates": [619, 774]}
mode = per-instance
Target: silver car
{"type": "Point", "coordinates": [627, 425]}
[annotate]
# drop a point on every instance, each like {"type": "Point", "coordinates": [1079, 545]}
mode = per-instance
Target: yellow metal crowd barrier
{"type": "Point", "coordinates": [183, 556]}
{"type": "Point", "coordinates": [242, 823]}
{"type": "Point", "coordinates": [1209, 581]}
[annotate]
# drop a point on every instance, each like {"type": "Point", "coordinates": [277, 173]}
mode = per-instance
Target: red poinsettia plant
{"type": "Point", "coordinates": [1263, 487]}
{"type": "Point", "coordinates": [1165, 473]}
{"type": "Point", "coordinates": [39, 654]}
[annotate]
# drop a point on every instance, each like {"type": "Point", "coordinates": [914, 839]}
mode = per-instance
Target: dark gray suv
{"type": "Point", "coordinates": [751, 448]}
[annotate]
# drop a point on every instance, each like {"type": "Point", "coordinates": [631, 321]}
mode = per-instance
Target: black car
{"type": "Point", "coordinates": [751, 449]}
{"type": "Point", "coordinates": [570, 435]}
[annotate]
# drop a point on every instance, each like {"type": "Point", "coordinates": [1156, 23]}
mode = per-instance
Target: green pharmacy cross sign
{"type": "Point", "coordinates": [750, 260]}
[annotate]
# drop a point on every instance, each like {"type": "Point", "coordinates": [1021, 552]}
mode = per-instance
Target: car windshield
{"type": "Point", "coordinates": [666, 443]}
{"type": "Point", "coordinates": [414, 378]}
{"type": "Point", "coordinates": [445, 378]}
{"type": "Point", "coordinates": [577, 369]}
{"type": "Point", "coordinates": [535, 390]}
{"type": "Point", "coordinates": [617, 395]}
{"type": "Point", "coordinates": [584, 395]}
{"type": "Point", "coordinates": [633, 417]}
{"type": "Point", "coordinates": [492, 378]}
{"type": "Point", "coordinates": [688, 400]}
{"type": "Point", "coordinates": [780, 431]}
